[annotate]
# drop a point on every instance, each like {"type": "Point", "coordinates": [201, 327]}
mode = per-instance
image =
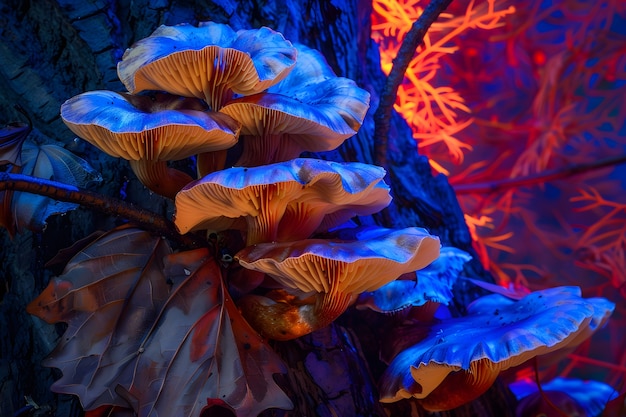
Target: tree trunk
{"type": "Point", "coordinates": [52, 50]}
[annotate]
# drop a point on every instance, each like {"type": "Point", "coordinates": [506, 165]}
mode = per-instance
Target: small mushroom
{"type": "Point", "coordinates": [283, 201]}
{"type": "Point", "coordinates": [574, 396]}
{"type": "Point", "coordinates": [432, 284]}
{"type": "Point", "coordinates": [148, 131]}
{"type": "Point", "coordinates": [333, 272]}
{"type": "Point", "coordinates": [211, 61]}
{"type": "Point", "coordinates": [461, 357]}
{"type": "Point", "coordinates": [310, 110]}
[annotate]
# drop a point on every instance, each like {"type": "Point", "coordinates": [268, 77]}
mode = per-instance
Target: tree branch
{"type": "Point", "coordinates": [413, 39]}
{"type": "Point", "coordinates": [71, 194]}
{"type": "Point", "coordinates": [540, 178]}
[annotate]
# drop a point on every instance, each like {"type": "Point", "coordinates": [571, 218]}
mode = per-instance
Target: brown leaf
{"type": "Point", "coordinates": [155, 331]}
{"type": "Point", "coordinates": [205, 350]}
{"type": "Point", "coordinates": [110, 411]}
{"type": "Point", "coordinates": [58, 262]}
{"type": "Point", "coordinates": [110, 295]}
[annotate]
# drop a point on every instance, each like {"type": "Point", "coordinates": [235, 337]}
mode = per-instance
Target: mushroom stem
{"type": "Point", "coordinates": [209, 162]}
{"type": "Point", "coordinates": [329, 306]}
{"type": "Point", "coordinates": [278, 318]}
{"type": "Point", "coordinates": [305, 216]}
{"type": "Point", "coordinates": [474, 381]}
{"type": "Point", "coordinates": [270, 203]}
{"type": "Point", "coordinates": [159, 178]}
{"type": "Point", "coordinates": [267, 149]}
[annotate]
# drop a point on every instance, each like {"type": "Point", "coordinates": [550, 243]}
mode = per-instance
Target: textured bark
{"type": "Point", "coordinates": [52, 50]}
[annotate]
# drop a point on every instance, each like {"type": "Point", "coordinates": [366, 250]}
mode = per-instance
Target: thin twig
{"type": "Point", "coordinates": [94, 201]}
{"type": "Point", "coordinates": [540, 178]}
{"type": "Point", "coordinates": [412, 40]}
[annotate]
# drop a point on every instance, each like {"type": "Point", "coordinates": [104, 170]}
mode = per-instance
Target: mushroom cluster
{"type": "Point", "coordinates": [427, 289]}
{"type": "Point", "coordinates": [195, 92]}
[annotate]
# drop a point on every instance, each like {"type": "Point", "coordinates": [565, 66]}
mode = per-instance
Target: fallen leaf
{"type": "Point", "coordinates": [155, 331]}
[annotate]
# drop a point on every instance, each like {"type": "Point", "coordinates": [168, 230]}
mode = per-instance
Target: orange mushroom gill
{"type": "Point", "coordinates": [310, 110]}
{"type": "Point", "coordinates": [148, 131]}
{"type": "Point", "coordinates": [332, 272]}
{"type": "Point", "coordinates": [211, 61]}
{"type": "Point", "coordinates": [267, 202]}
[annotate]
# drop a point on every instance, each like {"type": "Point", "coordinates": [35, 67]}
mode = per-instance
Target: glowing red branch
{"type": "Point", "coordinates": [540, 178]}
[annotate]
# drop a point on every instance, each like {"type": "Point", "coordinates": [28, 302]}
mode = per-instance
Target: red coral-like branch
{"type": "Point", "coordinates": [539, 178]}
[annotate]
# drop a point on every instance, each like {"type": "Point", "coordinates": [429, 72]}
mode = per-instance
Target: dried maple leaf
{"type": "Point", "coordinates": [155, 332]}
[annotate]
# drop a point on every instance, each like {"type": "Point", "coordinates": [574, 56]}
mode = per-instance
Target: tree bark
{"type": "Point", "coordinates": [52, 50]}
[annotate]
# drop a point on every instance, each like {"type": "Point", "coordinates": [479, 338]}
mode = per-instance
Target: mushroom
{"type": "Point", "coordinates": [311, 71]}
{"type": "Point", "coordinates": [211, 61]}
{"type": "Point", "coordinates": [461, 357]}
{"type": "Point", "coordinates": [148, 131]}
{"type": "Point", "coordinates": [282, 201]}
{"type": "Point", "coordinates": [588, 397]}
{"type": "Point", "coordinates": [332, 272]}
{"type": "Point", "coordinates": [432, 284]}
{"type": "Point", "coordinates": [310, 110]}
